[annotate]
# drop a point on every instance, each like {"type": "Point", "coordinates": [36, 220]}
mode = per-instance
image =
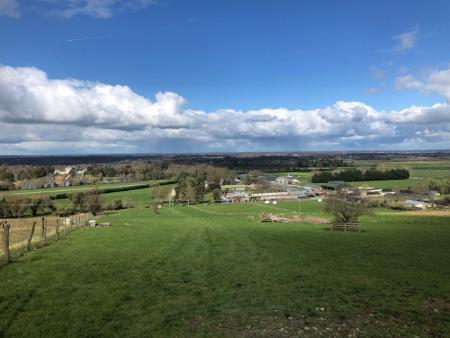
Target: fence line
{"type": "Point", "coordinates": [20, 233]}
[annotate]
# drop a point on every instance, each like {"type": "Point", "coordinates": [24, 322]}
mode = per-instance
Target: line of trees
{"type": "Point", "coordinates": [321, 163]}
{"type": "Point", "coordinates": [354, 174]}
{"type": "Point", "coordinates": [17, 206]}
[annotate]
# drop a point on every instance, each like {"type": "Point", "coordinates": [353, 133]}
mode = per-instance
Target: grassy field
{"type": "Point", "coordinates": [212, 271]}
{"type": "Point", "coordinates": [59, 190]}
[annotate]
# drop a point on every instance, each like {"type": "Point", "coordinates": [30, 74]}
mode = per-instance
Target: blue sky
{"type": "Point", "coordinates": [250, 57]}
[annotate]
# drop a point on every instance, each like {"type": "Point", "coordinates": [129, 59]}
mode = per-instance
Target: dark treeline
{"type": "Point", "coordinates": [354, 174]}
{"type": "Point", "coordinates": [216, 159]}
{"type": "Point", "coordinates": [321, 163]}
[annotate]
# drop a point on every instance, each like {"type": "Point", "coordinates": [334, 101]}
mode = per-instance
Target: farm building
{"type": "Point", "coordinates": [236, 197]}
{"type": "Point", "coordinates": [333, 185]}
{"type": "Point", "coordinates": [287, 180]}
{"type": "Point", "coordinates": [369, 192]}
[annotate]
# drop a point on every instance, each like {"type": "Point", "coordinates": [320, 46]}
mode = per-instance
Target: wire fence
{"type": "Point", "coordinates": [34, 232]}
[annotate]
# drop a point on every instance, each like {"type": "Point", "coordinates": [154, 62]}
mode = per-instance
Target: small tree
{"type": "Point", "coordinates": [93, 202]}
{"type": "Point", "coordinates": [345, 207]}
{"type": "Point", "coordinates": [87, 201]}
{"type": "Point", "coordinates": [216, 195]}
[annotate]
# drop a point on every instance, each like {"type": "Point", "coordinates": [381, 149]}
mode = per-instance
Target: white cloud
{"type": "Point", "coordinates": [38, 114]}
{"type": "Point", "coordinates": [70, 8]}
{"type": "Point", "coordinates": [437, 81]}
{"type": "Point", "coordinates": [404, 41]}
{"type": "Point", "coordinates": [94, 8]}
{"type": "Point", "coordinates": [10, 8]}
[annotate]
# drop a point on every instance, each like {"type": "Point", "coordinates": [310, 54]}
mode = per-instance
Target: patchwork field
{"type": "Point", "coordinates": [214, 271]}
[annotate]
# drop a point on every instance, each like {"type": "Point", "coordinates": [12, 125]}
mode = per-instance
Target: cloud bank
{"type": "Point", "coordinates": [43, 115]}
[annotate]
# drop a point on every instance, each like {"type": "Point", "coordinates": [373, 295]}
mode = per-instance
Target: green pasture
{"type": "Point", "coordinates": [81, 188]}
{"type": "Point", "coordinates": [212, 270]}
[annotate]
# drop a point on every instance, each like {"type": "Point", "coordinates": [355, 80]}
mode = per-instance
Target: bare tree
{"type": "Point", "coordinates": [345, 207]}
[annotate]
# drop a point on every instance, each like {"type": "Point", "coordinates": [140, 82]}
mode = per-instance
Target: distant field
{"type": "Point", "coordinates": [211, 270]}
{"type": "Point", "coordinates": [421, 172]}
{"type": "Point", "coordinates": [58, 190]}
{"type": "Point", "coordinates": [134, 196]}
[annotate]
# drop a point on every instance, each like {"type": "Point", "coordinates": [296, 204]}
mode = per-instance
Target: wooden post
{"type": "Point", "coordinates": [57, 228]}
{"type": "Point", "coordinates": [44, 230]}
{"type": "Point", "coordinates": [6, 241]}
{"type": "Point", "coordinates": [33, 226]}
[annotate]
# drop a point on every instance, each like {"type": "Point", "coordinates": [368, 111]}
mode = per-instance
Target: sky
{"type": "Point", "coordinates": [178, 76]}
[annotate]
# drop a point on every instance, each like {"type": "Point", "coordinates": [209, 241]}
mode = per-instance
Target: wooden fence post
{"type": "Point", "coordinates": [6, 241]}
{"type": "Point", "coordinates": [57, 227]}
{"type": "Point", "coordinates": [44, 230]}
{"type": "Point", "coordinates": [33, 226]}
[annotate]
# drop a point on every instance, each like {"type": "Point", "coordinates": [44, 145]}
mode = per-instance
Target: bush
{"type": "Point", "coordinates": [117, 205]}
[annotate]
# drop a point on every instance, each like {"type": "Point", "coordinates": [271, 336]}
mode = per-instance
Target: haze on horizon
{"type": "Point", "coordinates": [161, 76]}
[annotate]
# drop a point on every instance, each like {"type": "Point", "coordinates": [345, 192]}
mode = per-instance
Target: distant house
{"type": "Point", "coordinates": [333, 185]}
{"type": "Point", "coordinates": [63, 172]}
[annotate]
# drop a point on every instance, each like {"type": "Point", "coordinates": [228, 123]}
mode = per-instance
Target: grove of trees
{"type": "Point", "coordinates": [353, 174]}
